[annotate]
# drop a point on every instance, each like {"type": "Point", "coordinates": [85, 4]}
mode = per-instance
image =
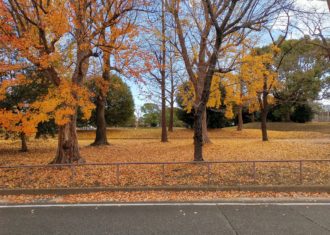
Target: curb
{"type": "Point", "coordinates": [300, 201]}
{"type": "Point", "coordinates": [65, 191]}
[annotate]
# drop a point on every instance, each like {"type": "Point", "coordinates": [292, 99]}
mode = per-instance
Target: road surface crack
{"type": "Point", "coordinates": [228, 221]}
{"type": "Point", "coordinates": [311, 220]}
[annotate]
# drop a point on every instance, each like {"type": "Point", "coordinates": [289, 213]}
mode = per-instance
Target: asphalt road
{"type": "Point", "coordinates": [222, 218]}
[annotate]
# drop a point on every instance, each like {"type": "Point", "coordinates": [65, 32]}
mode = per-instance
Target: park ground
{"type": "Point", "coordinates": [288, 141]}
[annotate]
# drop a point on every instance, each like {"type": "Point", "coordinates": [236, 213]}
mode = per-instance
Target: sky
{"type": "Point", "coordinates": [308, 4]}
{"type": "Point", "coordinates": [319, 5]}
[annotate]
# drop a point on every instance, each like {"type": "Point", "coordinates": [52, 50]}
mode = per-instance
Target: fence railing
{"type": "Point", "coordinates": [322, 117]}
{"type": "Point", "coordinates": [256, 172]}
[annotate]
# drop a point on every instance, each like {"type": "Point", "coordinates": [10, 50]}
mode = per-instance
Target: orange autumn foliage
{"type": "Point", "coordinates": [33, 33]}
{"type": "Point", "coordinates": [61, 106]}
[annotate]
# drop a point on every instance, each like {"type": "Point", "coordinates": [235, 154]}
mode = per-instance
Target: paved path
{"type": "Point", "coordinates": [181, 218]}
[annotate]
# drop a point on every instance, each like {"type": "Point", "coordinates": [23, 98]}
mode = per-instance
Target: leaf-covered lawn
{"type": "Point", "coordinates": [42, 152]}
{"type": "Point", "coordinates": [252, 130]}
{"type": "Point", "coordinates": [228, 145]}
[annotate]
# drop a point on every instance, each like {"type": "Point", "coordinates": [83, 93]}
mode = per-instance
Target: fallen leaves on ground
{"type": "Point", "coordinates": [190, 174]}
{"type": "Point", "coordinates": [230, 146]}
{"type": "Point", "coordinates": [251, 130]}
{"type": "Point", "coordinates": [43, 151]}
{"type": "Point", "coordinates": [155, 196]}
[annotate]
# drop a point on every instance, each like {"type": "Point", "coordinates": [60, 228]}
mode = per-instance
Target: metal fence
{"type": "Point", "coordinates": [171, 174]}
{"type": "Point", "coordinates": [322, 117]}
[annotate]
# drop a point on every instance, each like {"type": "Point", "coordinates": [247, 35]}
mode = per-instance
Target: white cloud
{"type": "Point", "coordinates": [318, 5]}
{"type": "Point", "coordinates": [312, 5]}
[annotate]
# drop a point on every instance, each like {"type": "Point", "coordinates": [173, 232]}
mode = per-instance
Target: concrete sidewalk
{"type": "Point", "coordinates": [168, 218]}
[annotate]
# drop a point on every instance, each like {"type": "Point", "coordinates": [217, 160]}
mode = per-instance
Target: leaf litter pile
{"type": "Point", "coordinates": [228, 145]}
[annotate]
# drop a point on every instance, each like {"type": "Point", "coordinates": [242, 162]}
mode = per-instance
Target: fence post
{"type": "Point", "coordinates": [300, 172]}
{"type": "Point", "coordinates": [163, 174]}
{"type": "Point", "coordinates": [254, 172]}
{"type": "Point", "coordinates": [117, 174]}
{"type": "Point", "coordinates": [208, 173]}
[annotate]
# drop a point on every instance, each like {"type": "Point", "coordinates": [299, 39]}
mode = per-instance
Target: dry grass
{"type": "Point", "coordinates": [276, 131]}
{"type": "Point", "coordinates": [298, 141]}
{"type": "Point", "coordinates": [321, 127]}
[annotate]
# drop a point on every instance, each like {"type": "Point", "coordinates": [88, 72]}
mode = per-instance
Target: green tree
{"type": "Point", "coordinates": [19, 99]}
{"type": "Point", "coordinates": [151, 115]}
{"type": "Point", "coordinates": [119, 105]}
{"type": "Point", "coordinates": [303, 73]}
{"type": "Point", "coordinates": [302, 113]}
{"type": "Point", "coordinates": [46, 129]}
{"type": "Point", "coordinates": [176, 121]}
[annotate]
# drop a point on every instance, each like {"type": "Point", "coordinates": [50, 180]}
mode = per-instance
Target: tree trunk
{"type": "Point", "coordinates": [38, 135]}
{"type": "Point", "coordinates": [206, 139]}
{"type": "Point", "coordinates": [252, 117]}
{"type": "Point", "coordinates": [263, 102]}
{"type": "Point", "coordinates": [24, 147]}
{"type": "Point", "coordinates": [240, 118]}
{"type": "Point", "coordinates": [164, 129]}
{"type": "Point", "coordinates": [163, 77]}
{"type": "Point", "coordinates": [67, 148]}
{"type": "Point", "coordinates": [101, 126]}
{"type": "Point", "coordinates": [264, 125]}
{"type": "Point", "coordinates": [171, 121]}
{"type": "Point", "coordinates": [198, 136]}
{"type": "Point", "coordinates": [287, 116]}
{"type": "Point", "coordinates": [7, 136]}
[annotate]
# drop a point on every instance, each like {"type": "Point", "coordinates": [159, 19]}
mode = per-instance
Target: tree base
{"type": "Point", "coordinates": [207, 141]}
{"type": "Point", "coordinates": [79, 160]}
{"type": "Point", "coordinates": [198, 160]}
{"type": "Point", "coordinates": [95, 144]}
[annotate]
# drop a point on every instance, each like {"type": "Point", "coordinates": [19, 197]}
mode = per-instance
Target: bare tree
{"type": "Point", "coordinates": [163, 75]}
{"type": "Point", "coordinates": [161, 79]}
{"type": "Point", "coordinates": [176, 75]}
{"type": "Point", "coordinates": [313, 25]}
{"type": "Point", "coordinates": [114, 23]}
{"type": "Point", "coordinates": [206, 30]}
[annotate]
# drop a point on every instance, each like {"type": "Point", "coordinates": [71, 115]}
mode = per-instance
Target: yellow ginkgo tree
{"type": "Point", "coordinates": [250, 85]}
{"type": "Point", "coordinates": [223, 94]}
{"type": "Point", "coordinates": [258, 73]}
